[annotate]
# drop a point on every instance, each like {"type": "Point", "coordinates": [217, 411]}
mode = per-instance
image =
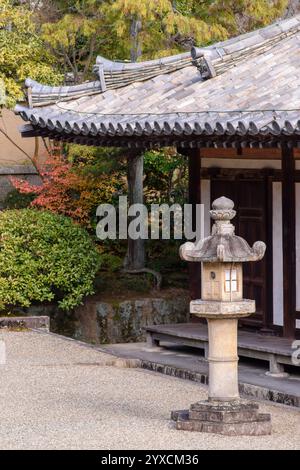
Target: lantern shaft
{"type": "Point", "coordinates": [223, 360]}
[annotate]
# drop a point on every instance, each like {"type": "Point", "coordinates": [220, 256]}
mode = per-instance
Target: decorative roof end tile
{"type": "Point", "coordinates": [203, 63]}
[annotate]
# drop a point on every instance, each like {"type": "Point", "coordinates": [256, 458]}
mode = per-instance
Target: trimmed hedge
{"type": "Point", "coordinates": [44, 257]}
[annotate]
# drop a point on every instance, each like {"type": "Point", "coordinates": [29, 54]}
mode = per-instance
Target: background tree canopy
{"type": "Point", "coordinates": [52, 39]}
{"type": "Point", "coordinates": [22, 51]}
{"type": "Point", "coordinates": [57, 41]}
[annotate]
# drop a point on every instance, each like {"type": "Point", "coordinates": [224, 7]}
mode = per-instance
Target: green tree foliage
{"type": "Point", "coordinates": [134, 30]}
{"type": "Point", "coordinates": [76, 36]}
{"type": "Point", "coordinates": [157, 27]}
{"type": "Point", "coordinates": [165, 176]}
{"type": "Point", "coordinates": [22, 52]}
{"type": "Point", "coordinates": [44, 257]}
{"type": "Point", "coordinates": [236, 16]}
{"type": "Point", "coordinates": [78, 30]}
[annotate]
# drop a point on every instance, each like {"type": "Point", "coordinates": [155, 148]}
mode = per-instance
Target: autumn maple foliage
{"type": "Point", "coordinates": [66, 190]}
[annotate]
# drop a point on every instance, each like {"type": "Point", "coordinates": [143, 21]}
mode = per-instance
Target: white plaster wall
{"type": "Point", "coordinates": [277, 255]}
{"type": "Point", "coordinates": [205, 200]}
{"type": "Point", "coordinates": [240, 163]}
{"type": "Point", "coordinates": [10, 154]}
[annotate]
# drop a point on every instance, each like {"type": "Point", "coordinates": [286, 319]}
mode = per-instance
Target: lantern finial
{"type": "Point", "coordinates": [222, 209]}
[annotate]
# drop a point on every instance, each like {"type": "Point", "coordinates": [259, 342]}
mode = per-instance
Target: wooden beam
{"type": "Point", "coordinates": [261, 154]}
{"type": "Point", "coordinates": [219, 153]}
{"type": "Point", "coordinates": [221, 142]}
{"type": "Point", "coordinates": [289, 242]}
{"type": "Point", "coordinates": [243, 154]}
{"type": "Point", "coordinates": [247, 153]}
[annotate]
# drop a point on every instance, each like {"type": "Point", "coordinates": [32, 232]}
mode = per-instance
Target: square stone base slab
{"type": "Point", "coordinates": [222, 309]}
{"type": "Point", "coordinates": [239, 418]}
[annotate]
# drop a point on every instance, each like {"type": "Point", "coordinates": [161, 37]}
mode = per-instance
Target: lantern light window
{"type": "Point", "coordinates": [231, 280]}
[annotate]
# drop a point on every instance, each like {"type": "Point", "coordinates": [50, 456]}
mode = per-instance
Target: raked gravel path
{"type": "Point", "coordinates": [58, 394]}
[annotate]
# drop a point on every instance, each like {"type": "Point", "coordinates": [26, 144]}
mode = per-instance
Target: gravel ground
{"type": "Point", "coordinates": [58, 394]}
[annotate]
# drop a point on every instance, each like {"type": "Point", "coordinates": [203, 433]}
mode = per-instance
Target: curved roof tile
{"type": "Point", "coordinates": [256, 92]}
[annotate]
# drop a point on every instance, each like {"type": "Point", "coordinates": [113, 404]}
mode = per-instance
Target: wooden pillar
{"type": "Point", "coordinates": [268, 315]}
{"type": "Point", "coordinates": [135, 259]}
{"type": "Point", "coordinates": [289, 242]}
{"type": "Point", "coordinates": [194, 159]}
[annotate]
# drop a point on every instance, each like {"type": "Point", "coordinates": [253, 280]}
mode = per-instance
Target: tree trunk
{"type": "Point", "coordinates": [135, 49]}
{"type": "Point", "coordinates": [135, 258]}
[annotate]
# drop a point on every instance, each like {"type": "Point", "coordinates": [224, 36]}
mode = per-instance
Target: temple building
{"type": "Point", "coordinates": [233, 108]}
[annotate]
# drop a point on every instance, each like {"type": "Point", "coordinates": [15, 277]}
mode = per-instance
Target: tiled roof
{"type": "Point", "coordinates": [255, 90]}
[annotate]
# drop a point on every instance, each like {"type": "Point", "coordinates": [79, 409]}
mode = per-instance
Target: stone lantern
{"type": "Point", "coordinates": [222, 304]}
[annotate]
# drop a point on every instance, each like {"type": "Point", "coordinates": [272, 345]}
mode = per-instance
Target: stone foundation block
{"type": "Point", "coordinates": [42, 322]}
{"type": "Point", "coordinates": [231, 419]}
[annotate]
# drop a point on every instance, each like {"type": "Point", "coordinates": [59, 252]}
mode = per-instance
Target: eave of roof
{"type": "Point", "coordinates": [182, 133]}
{"type": "Point", "coordinates": [255, 97]}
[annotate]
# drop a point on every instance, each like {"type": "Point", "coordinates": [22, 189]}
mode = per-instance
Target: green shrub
{"type": "Point", "coordinates": [16, 200]}
{"type": "Point", "coordinates": [111, 262]}
{"type": "Point", "coordinates": [44, 257]}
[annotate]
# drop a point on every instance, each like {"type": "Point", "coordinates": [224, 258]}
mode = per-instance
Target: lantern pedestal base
{"type": "Point", "coordinates": [237, 418]}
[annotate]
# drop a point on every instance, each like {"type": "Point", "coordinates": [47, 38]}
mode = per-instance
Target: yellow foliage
{"type": "Point", "coordinates": [164, 24]}
{"type": "Point", "coordinates": [22, 52]}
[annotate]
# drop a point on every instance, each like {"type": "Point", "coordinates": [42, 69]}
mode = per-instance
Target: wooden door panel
{"type": "Point", "coordinates": [250, 222]}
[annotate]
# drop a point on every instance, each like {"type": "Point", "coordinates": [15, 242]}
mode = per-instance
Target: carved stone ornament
{"type": "Point", "coordinates": [222, 245]}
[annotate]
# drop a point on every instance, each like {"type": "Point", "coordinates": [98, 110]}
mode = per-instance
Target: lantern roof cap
{"type": "Point", "coordinates": [222, 245]}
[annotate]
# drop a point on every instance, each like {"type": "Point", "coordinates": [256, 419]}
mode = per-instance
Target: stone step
{"type": "Point", "coordinates": [224, 412]}
{"type": "Point", "coordinates": [229, 418]}
{"type": "Point", "coordinates": [260, 427]}
{"type": "Point", "coordinates": [223, 416]}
